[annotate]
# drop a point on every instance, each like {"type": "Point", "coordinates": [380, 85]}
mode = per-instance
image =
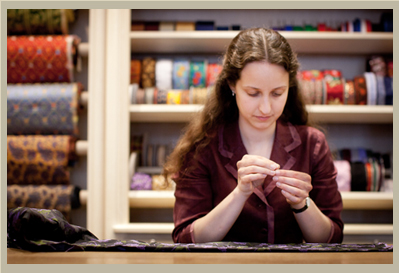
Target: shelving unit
{"type": "Point", "coordinates": [108, 157]}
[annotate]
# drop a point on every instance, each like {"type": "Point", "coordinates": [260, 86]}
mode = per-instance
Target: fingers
{"type": "Point", "coordinates": [260, 161]}
{"type": "Point", "coordinates": [295, 186]}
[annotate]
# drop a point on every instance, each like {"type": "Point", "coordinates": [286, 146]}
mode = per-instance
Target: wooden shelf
{"type": "Point", "coordinates": [167, 228]}
{"type": "Point", "coordinates": [320, 113]}
{"type": "Point", "coordinates": [217, 41]}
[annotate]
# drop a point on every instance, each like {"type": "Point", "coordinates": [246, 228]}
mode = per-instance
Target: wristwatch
{"type": "Point", "coordinates": [307, 204]}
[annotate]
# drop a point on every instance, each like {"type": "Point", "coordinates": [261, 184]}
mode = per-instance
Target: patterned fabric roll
{"type": "Point", "coordinates": [141, 181]}
{"type": "Point", "coordinates": [360, 90]}
{"type": "Point", "coordinates": [181, 72]}
{"type": "Point", "coordinates": [198, 74]}
{"type": "Point", "coordinates": [162, 96]}
{"type": "Point", "coordinates": [199, 95]}
{"type": "Point", "coordinates": [33, 160]}
{"type": "Point", "coordinates": [349, 93]}
{"type": "Point", "coordinates": [334, 87]}
{"type": "Point", "coordinates": [174, 97]}
{"type": "Point", "coordinates": [40, 59]}
{"type": "Point", "coordinates": [39, 21]}
{"type": "Point", "coordinates": [60, 197]}
{"type": "Point", "coordinates": [212, 72]}
{"type": "Point", "coordinates": [135, 71]}
{"type": "Point", "coordinates": [45, 109]}
{"type": "Point", "coordinates": [185, 97]}
{"type": "Point", "coordinates": [148, 73]}
{"type": "Point", "coordinates": [140, 96]}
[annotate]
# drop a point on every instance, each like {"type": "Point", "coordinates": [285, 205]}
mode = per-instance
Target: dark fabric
{"type": "Point", "coordinates": [47, 231]}
{"type": "Point", "coordinates": [266, 216]}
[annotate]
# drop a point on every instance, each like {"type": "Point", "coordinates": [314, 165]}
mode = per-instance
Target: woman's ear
{"type": "Point", "coordinates": [232, 88]}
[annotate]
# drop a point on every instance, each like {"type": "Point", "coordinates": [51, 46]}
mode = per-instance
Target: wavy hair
{"type": "Point", "coordinates": [250, 45]}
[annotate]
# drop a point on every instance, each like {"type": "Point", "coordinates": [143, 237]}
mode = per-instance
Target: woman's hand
{"type": "Point", "coordinates": [252, 171]}
{"type": "Point", "coordinates": [295, 186]}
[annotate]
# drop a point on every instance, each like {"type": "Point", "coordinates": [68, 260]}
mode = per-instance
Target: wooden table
{"type": "Point", "coordinates": [15, 256]}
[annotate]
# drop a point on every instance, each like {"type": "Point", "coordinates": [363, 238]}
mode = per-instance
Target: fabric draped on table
{"type": "Point", "coordinates": [47, 230]}
{"type": "Point", "coordinates": [60, 197]}
{"type": "Point", "coordinates": [45, 109]}
{"type": "Point", "coordinates": [39, 21]}
{"type": "Point", "coordinates": [41, 58]}
{"type": "Point", "coordinates": [34, 160]}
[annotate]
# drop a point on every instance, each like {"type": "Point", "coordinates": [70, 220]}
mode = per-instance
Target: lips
{"type": "Point", "coordinates": [263, 118]}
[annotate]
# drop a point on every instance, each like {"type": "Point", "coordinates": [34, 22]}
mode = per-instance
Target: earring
{"type": "Point", "coordinates": [232, 93]}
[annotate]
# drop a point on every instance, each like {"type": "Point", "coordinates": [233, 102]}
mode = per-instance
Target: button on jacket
{"type": "Point", "coordinates": [266, 216]}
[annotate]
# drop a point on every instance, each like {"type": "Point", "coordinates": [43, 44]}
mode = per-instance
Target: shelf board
{"type": "Point", "coordinates": [301, 41]}
{"type": "Point", "coordinates": [351, 200]}
{"type": "Point", "coordinates": [167, 228]}
{"type": "Point", "coordinates": [317, 113]}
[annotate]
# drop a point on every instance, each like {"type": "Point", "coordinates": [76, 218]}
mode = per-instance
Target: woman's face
{"type": "Point", "coordinates": [261, 94]}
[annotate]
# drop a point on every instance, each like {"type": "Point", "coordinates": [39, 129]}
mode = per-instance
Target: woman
{"type": "Point", "coordinates": [250, 168]}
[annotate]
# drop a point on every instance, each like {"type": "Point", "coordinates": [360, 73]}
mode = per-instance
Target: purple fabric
{"type": "Point", "coordinates": [141, 181]}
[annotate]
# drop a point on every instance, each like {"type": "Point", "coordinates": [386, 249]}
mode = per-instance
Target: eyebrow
{"type": "Point", "coordinates": [256, 88]}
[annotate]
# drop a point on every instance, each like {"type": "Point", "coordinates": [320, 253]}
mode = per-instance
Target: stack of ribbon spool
{"type": "Point", "coordinates": [363, 170]}
{"type": "Point", "coordinates": [374, 87]}
{"type": "Point", "coordinates": [171, 81]}
{"type": "Point", "coordinates": [179, 26]}
{"type": "Point", "coordinates": [42, 109]}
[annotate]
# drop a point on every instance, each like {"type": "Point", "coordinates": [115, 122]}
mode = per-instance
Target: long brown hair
{"type": "Point", "coordinates": [256, 44]}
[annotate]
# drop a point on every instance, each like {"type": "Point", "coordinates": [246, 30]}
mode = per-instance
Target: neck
{"type": "Point", "coordinates": [252, 136]}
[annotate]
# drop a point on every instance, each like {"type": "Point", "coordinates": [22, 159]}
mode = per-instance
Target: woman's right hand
{"type": "Point", "coordinates": [252, 171]}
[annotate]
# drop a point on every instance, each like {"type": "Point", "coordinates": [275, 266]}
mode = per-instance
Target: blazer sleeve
{"type": "Point", "coordinates": [325, 189]}
{"type": "Point", "coordinates": [193, 196]}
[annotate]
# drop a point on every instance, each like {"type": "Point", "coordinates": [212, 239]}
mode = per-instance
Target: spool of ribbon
{"type": "Point", "coordinates": [39, 21]}
{"type": "Point", "coordinates": [33, 160]}
{"type": "Point", "coordinates": [199, 95]}
{"type": "Point", "coordinates": [181, 74]}
{"type": "Point", "coordinates": [334, 87]}
{"type": "Point", "coordinates": [63, 198]}
{"type": "Point", "coordinates": [163, 73]}
{"type": "Point", "coordinates": [135, 71]}
{"type": "Point", "coordinates": [174, 97]}
{"type": "Point", "coordinates": [45, 109]}
{"type": "Point", "coordinates": [166, 26]}
{"type": "Point", "coordinates": [388, 82]}
{"type": "Point", "coordinates": [185, 97]}
{"type": "Point", "coordinates": [40, 59]}
{"type": "Point", "coordinates": [343, 175]}
{"type": "Point", "coordinates": [140, 96]}
{"type": "Point", "coordinates": [212, 72]}
{"type": "Point", "coordinates": [360, 90]}
{"type": "Point", "coordinates": [358, 174]}
{"type": "Point", "coordinates": [149, 95]}
{"type": "Point", "coordinates": [371, 84]}
{"type": "Point", "coordinates": [198, 74]}
{"type": "Point", "coordinates": [349, 93]}
{"type": "Point", "coordinates": [148, 72]}
{"type": "Point", "coordinates": [185, 26]}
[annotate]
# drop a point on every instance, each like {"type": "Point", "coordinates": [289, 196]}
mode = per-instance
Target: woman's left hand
{"type": "Point", "coordinates": [294, 185]}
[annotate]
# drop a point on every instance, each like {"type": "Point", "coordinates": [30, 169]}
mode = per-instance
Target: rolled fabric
{"type": "Point", "coordinates": [359, 178]}
{"type": "Point", "coordinates": [135, 71]}
{"type": "Point", "coordinates": [360, 90]}
{"type": "Point", "coordinates": [334, 86]}
{"type": "Point", "coordinates": [166, 26]}
{"type": "Point", "coordinates": [63, 198]}
{"type": "Point", "coordinates": [349, 93]}
{"type": "Point", "coordinates": [40, 59]}
{"type": "Point", "coordinates": [39, 21]}
{"type": "Point", "coordinates": [163, 73]}
{"type": "Point", "coordinates": [388, 82]}
{"type": "Point", "coordinates": [371, 84]}
{"type": "Point", "coordinates": [380, 90]}
{"type": "Point", "coordinates": [149, 95]}
{"type": "Point", "coordinates": [33, 160]}
{"type": "Point", "coordinates": [198, 73]}
{"type": "Point", "coordinates": [343, 175]}
{"type": "Point", "coordinates": [162, 96]}
{"type": "Point", "coordinates": [148, 72]}
{"type": "Point", "coordinates": [140, 96]}
{"type": "Point", "coordinates": [185, 26]}
{"type": "Point", "coordinates": [174, 97]}
{"type": "Point", "coordinates": [44, 109]}
{"type": "Point", "coordinates": [141, 181]}
{"type": "Point", "coordinates": [181, 74]}
{"type": "Point", "coordinates": [185, 97]}
{"type": "Point", "coordinates": [212, 72]}
{"type": "Point", "coordinates": [199, 95]}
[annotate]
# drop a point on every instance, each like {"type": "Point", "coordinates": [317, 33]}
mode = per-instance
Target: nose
{"type": "Point", "coordinates": [265, 105]}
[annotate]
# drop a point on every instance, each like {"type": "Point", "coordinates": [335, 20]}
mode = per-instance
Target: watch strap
{"type": "Point", "coordinates": [307, 202]}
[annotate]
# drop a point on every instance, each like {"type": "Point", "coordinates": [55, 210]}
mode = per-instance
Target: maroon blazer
{"type": "Point", "coordinates": [266, 216]}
